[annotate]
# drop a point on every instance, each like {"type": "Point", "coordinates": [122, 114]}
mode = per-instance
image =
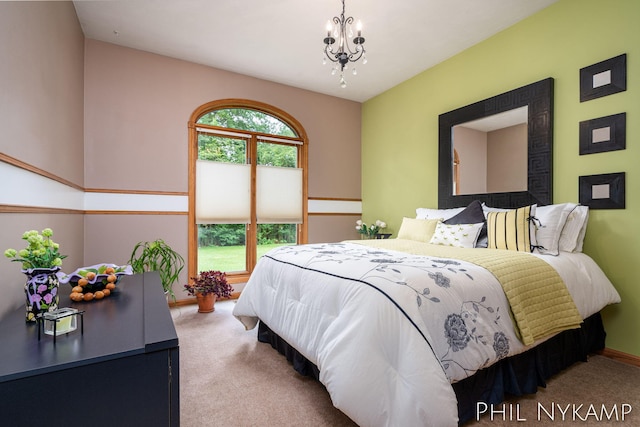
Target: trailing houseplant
{"type": "Point", "coordinates": [158, 256]}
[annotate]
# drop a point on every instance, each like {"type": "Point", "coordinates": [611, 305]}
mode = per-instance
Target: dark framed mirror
{"type": "Point", "coordinates": [538, 100]}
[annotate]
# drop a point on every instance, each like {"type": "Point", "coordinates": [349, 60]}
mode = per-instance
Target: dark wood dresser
{"type": "Point", "coordinates": [123, 371]}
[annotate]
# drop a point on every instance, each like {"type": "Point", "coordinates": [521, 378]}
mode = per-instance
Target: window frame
{"type": "Point", "coordinates": [301, 142]}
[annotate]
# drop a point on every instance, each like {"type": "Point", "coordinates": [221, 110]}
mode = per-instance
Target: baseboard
{"type": "Point", "coordinates": [627, 358]}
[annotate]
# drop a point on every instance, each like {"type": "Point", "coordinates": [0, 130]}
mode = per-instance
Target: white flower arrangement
{"type": "Point", "coordinates": [370, 230]}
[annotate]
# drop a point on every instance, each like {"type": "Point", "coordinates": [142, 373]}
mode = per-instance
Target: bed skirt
{"type": "Point", "coordinates": [517, 375]}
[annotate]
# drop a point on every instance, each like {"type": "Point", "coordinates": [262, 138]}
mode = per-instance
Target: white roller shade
{"type": "Point", "coordinates": [223, 193]}
{"type": "Point", "coordinates": [278, 195]}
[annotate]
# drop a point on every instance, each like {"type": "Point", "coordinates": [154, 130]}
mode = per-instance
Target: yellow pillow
{"type": "Point", "coordinates": [418, 229]}
{"type": "Point", "coordinates": [510, 230]}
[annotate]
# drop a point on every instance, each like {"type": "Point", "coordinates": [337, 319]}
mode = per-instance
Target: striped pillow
{"type": "Point", "coordinates": [510, 230]}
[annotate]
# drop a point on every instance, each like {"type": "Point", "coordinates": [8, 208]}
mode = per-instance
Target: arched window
{"type": "Point", "coordinates": [247, 185]}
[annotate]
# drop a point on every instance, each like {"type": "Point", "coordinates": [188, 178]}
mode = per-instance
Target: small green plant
{"type": "Point", "coordinates": [158, 256]}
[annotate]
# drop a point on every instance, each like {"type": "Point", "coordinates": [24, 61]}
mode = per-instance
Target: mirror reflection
{"type": "Point", "coordinates": [490, 154]}
{"type": "Point", "coordinates": [538, 98]}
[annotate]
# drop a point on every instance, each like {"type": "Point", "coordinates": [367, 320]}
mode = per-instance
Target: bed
{"type": "Point", "coordinates": [407, 332]}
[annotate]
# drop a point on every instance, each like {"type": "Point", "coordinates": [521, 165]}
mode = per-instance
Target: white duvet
{"type": "Point", "coordinates": [390, 331]}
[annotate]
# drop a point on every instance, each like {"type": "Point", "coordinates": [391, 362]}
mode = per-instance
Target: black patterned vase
{"type": "Point", "coordinates": [41, 291]}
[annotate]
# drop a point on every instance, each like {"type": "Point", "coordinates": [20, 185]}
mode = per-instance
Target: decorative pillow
{"type": "Point", "coordinates": [575, 227]}
{"type": "Point", "coordinates": [532, 226]}
{"type": "Point", "coordinates": [457, 235]}
{"type": "Point", "coordinates": [417, 229]}
{"type": "Point", "coordinates": [472, 214]}
{"type": "Point", "coordinates": [510, 230]}
{"type": "Point", "coordinates": [426, 213]}
{"type": "Point", "coordinates": [550, 221]}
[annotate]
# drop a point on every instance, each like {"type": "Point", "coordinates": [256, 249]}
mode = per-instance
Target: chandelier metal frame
{"type": "Point", "coordinates": [344, 52]}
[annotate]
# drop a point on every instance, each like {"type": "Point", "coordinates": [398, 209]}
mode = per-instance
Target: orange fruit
{"type": "Point", "coordinates": [74, 296]}
{"type": "Point", "coordinates": [109, 270]}
{"type": "Point", "coordinates": [91, 275]}
{"type": "Point", "coordinates": [110, 286]}
{"type": "Point", "coordinates": [106, 292]}
{"type": "Point", "coordinates": [112, 278]}
{"type": "Point", "coordinates": [82, 282]}
{"type": "Point", "coordinates": [77, 289]}
{"type": "Point", "coordinates": [98, 295]}
{"type": "Point", "coordinates": [88, 296]}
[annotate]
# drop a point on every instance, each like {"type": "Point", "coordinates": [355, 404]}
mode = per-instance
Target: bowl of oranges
{"type": "Point", "coordinates": [96, 281]}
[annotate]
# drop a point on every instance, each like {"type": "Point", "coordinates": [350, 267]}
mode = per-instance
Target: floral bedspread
{"type": "Point", "coordinates": [391, 330]}
{"type": "Point", "coordinates": [459, 308]}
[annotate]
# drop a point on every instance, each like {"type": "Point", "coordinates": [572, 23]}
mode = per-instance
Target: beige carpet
{"type": "Point", "coordinates": [227, 378]}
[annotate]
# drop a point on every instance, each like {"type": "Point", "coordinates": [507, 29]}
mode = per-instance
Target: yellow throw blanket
{"type": "Point", "coordinates": [540, 302]}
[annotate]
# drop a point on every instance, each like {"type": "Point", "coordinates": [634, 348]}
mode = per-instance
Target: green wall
{"type": "Point", "coordinates": [400, 130]}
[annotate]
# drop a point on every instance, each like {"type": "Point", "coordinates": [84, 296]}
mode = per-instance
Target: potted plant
{"type": "Point", "coordinates": [158, 256]}
{"type": "Point", "coordinates": [207, 287]}
{"type": "Point", "coordinates": [41, 261]}
{"type": "Point", "coordinates": [370, 231]}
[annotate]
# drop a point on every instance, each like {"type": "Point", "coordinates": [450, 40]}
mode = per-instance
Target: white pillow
{"type": "Point", "coordinates": [457, 235]}
{"type": "Point", "coordinates": [549, 225]}
{"type": "Point", "coordinates": [575, 227]}
{"type": "Point", "coordinates": [444, 214]}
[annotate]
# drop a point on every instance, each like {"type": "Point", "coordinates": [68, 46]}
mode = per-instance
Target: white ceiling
{"type": "Point", "coordinates": [281, 40]}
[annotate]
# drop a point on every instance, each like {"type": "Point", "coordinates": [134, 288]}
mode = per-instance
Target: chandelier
{"type": "Point", "coordinates": [338, 47]}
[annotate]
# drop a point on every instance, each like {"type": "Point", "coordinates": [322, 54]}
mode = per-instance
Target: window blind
{"type": "Point", "coordinates": [223, 193]}
{"type": "Point", "coordinates": [278, 195]}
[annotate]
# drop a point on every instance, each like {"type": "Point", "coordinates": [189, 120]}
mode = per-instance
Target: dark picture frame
{"type": "Point", "coordinates": [605, 191]}
{"type": "Point", "coordinates": [604, 78]}
{"type": "Point", "coordinates": [603, 134]}
{"type": "Point", "coordinates": [538, 97]}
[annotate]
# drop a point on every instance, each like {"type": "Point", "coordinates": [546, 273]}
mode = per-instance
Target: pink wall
{"type": "Point", "coordinates": [41, 93]}
{"type": "Point", "coordinates": [471, 146]}
{"type": "Point", "coordinates": [41, 119]}
{"type": "Point", "coordinates": [97, 116]}
{"type": "Point", "coordinates": [507, 160]}
{"type": "Point", "coordinates": [138, 105]}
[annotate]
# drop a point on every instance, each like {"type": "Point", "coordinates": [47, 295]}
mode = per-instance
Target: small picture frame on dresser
{"type": "Point", "coordinates": [603, 134]}
{"type": "Point", "coordinates": [604, 78]}
{"type": "Point", "coordinates": [605, 191]}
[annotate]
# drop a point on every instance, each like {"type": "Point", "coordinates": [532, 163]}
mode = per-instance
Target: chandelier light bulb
{"type": "Point", "coordinates": [343, 82]}
{"type": "Point", "coordinates": [364, 59]}
{"type": "Point", "coordinates": [354, 71]}
{"type": "Point", "coordinates": [329, 27]}
{"type": "Point", "coordinates": [333, 72]}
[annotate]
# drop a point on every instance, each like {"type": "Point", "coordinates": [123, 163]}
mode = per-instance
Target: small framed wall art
{"type": "Point", "coordinates": [604, 78]}
{"type": "Point", "coordinates": [606, 191]}
{"type": "Point", "coordinates": [603, 134]}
